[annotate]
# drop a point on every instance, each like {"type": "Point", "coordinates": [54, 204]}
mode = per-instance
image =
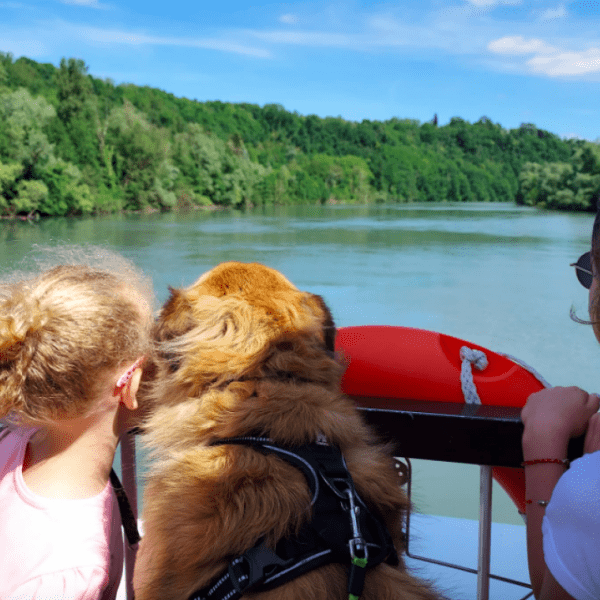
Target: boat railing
{"type": "Point", "coordinates": [488, 436]}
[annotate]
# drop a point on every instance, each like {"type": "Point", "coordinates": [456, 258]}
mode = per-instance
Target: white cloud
{"type": "Point", "coordinates": [87, 3]}
{"type": "Point", "coordinates": [590, 64]}
{"type": "Point", "coordinates": [490, 3]}
{"type": "Point", "coordinates": [131, 38]}
{"type": "Point", "coordinates": [306, 38]}
{"type": "Point", "coordinates": [517, 44]}
{"type": "Point", "coordinates": [567, 63]}
{"type": "Point", "coordinates": [378, 32]}
{"type": "Point", "coordinates": [289, 19]}
{"type": "Point", "coordinates": [560, 12]}
{"type": "Point", "coordinates": [384, 24]}
{"type": "Point", "coordinates": [548, 60]}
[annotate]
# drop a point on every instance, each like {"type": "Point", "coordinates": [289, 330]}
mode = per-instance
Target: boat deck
{"type": "Point", "coordinates": [455, 540]}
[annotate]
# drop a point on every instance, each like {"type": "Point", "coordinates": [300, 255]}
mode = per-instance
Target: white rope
{"type": "Point", "coordinates": [479, 360]}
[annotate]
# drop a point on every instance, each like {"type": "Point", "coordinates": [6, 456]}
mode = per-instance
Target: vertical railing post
{"type": "Point", "coordinates": [129, 480]}
{"type": "Point", "coordinates": [485, 532]}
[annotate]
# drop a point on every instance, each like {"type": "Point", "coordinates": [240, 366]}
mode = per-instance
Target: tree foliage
{"type": "Point", "coordinates": [573, 185]}
{"type": "Point", "coordinates": [22, 121]}
{"type": "Point", "coordinates": [72, 144]}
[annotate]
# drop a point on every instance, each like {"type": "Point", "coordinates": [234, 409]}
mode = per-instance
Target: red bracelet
{"type": "Point", "coordinates": [537, 461]}
{"type": "Point", "coordinates": [542, 503]}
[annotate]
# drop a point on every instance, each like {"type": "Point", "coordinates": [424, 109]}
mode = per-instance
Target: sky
{"type": "Point", "coordinates": [512, 61]}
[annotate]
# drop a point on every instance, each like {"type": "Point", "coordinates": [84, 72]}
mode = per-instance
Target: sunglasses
{"type": "Point", "coordinates": [583, 270]}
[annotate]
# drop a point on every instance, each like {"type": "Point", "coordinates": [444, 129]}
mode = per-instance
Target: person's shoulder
{"type": "Point", "coordinates": [571, 529]}
{"type": "Point", "coordinates": [8, 434]}
{"type": "Point", "coordinates": [585, 471]}
{"type": "Point", "coordinates": [575, 494]}
{"type": "Point", "coordinates": [591, 458]}
{"type": "Point", "coordinates": [16, 435]}
{"type": "Point", "coordinates": [13, 442]}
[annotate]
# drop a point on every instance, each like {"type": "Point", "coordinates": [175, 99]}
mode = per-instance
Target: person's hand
{"type": "Point", "coordinates": [558, 414]}
{"type": "Point", "coordinates": [592, 436]}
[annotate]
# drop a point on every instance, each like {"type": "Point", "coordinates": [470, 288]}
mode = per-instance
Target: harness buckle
{"type": "Point", "coordinates": [260, 563]}
{"type": "Point", "coordinates": [357, 543]}
{"type": "Point", "coordinates": [357, 546]}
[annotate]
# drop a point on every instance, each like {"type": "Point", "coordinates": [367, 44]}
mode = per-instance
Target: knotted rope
{"type": "Point", "coordinates": [479, 360]}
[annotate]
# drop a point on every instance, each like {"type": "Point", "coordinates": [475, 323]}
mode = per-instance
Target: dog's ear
{"type": "Point", "coordinates": [174, 320]}
{"type": "Point", "coordinates": [328, 324]}
{"type": "Point", "coordinates": [175, 317]}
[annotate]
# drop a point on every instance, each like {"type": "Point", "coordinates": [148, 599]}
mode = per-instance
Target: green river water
{"type": "Point", "coordinates": [494, 274]}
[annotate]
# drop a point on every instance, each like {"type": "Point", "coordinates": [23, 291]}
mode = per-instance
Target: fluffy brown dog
{"type": "Point", "coordinates": [244, 352]}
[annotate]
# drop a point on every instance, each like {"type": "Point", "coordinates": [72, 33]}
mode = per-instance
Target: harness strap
{"type": "Point", "coordinates": [127, 517]}
{"type": "Point", "coordinates": [260, 566]}
{"type": "Point", "coordinates": [342, 529]}
{"type": "Point", "coordinates": [267, 446]}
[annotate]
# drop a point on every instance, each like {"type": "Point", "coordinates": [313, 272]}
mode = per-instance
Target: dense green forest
{"type": "Point", "coordinates": [71, 144]}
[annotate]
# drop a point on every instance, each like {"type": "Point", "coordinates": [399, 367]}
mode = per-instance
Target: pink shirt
{"type": "Point", "coordinates": [54, 549]}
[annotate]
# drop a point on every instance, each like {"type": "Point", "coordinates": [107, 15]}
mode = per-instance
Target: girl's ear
{"type": "Point", "coordinates": [129, 391]}
{"type": "Point", "coordinates": [134, 386]}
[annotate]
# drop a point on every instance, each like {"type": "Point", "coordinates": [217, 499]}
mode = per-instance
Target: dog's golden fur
{"type": "Point", "coordinates": [244, 351]}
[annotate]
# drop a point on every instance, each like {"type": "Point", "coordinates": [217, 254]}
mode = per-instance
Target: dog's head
{"type": "Point", "coordinates": [243, 321]}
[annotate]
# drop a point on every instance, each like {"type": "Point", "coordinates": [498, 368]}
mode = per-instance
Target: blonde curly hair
{"type": "Point", "coordinates": [66, 326]}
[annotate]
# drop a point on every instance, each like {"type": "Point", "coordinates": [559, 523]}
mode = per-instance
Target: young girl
{"type": "Point", "coordinates": [563, 510]}
{"type": "Point", "coordinates": [72, 342]}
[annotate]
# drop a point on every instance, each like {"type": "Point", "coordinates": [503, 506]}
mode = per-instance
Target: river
{"type": "Point", "coordinates": [494, 274]}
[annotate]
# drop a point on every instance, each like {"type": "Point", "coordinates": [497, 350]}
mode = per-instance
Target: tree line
{"type": "Point", "coordinates": [72, 144]}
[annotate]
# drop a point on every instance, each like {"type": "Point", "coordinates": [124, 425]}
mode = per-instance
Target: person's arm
{"type": "Point", "coordinates": [550, 418]}
{"type": "Point", "coordinates": [540, 480]}
{"type": "Point", "coordinates": [552, 590]}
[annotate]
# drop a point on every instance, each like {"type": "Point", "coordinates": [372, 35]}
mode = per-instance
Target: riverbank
{"type": "Point", "coordinates": [34, 217]}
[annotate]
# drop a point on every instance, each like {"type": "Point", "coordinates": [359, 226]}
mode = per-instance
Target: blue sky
{"type": "Point", "coordinates": [513, 61]}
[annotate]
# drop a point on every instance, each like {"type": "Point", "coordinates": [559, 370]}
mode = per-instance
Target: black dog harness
{"type": "Point", "coordinates": [342, 530]}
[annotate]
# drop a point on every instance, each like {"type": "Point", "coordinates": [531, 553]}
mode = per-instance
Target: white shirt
{"type": "Point", "coordinates": [571, 529]}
